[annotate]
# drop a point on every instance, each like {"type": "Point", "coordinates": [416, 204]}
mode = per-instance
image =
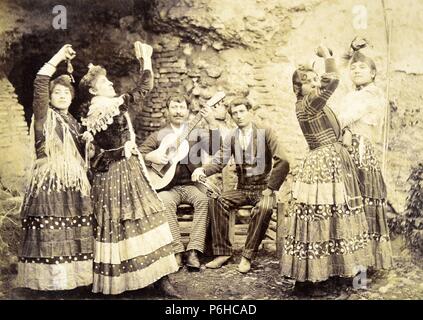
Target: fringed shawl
{"type": "Point", "coordinates": [63, 167]}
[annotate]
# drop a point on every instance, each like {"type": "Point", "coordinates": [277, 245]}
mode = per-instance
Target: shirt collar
{"type": "Point", "coordinates": [178, 130]}
{"type": "Point", "coordinates": [246, 132]}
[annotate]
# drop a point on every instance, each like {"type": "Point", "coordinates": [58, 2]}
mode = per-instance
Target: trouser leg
{"type": "Point", "coordinates": [260, 219]}
{"type": "Point", "coordinates": [219, 215]}
{"type": "Point", "coordinates": [199, 201]}
{"type": "Point", "coordinates": [171, 199]}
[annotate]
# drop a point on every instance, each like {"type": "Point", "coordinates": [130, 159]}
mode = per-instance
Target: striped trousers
{"type": "Point", "coordinates": [189, 194]}
{"type": "Point", "coordinates": [260, 218]}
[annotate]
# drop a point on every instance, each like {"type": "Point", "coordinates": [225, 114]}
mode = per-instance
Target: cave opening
{"type": "Point", "coordinates": [99, 35]}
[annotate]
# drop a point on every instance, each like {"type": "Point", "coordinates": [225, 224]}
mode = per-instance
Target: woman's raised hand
{"type": "Point", "coordinates": [358, 43]}
{"type": "Point", "coordinates": [323, 51]}
{"type": "Point", "coordinates": [143, 53]}
{"type": "Point", "coordinates": [66, 52]}
{"type": "Point", "coordinates": [143, 50]}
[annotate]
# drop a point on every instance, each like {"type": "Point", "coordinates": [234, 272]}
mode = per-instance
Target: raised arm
{"type": "Point", "coordinates": [210, 138]}
{"type": "Point", "coordinates": [145, 83]}
{"type": "Point", "coordinates": [41, 84]}
{"type": "Point", "coordinates": [316, 99]}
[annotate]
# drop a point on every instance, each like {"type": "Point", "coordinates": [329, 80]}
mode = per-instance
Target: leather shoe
{"type": "Point", "coordinates": [167, 288]}
{"type": "Point", "coordinates": [192, 260]}
{"type": "Point", "coordinates": [244, 266]}
{"type": "Point", "coordinates": [218, 262]}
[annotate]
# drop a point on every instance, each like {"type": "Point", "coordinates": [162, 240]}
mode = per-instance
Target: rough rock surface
{"type": "Point", "coordinates": [204, 46]}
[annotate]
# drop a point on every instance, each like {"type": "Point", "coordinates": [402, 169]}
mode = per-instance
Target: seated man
{"type": "Point", "coordinates": [253, 148]}
{"type": "Point", "coordinates": [181, 189]}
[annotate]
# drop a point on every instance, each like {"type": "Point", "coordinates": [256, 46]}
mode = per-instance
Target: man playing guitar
{"type": "Point", "coordinates": [181, 189]}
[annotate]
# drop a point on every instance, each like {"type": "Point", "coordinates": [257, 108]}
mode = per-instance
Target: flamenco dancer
{"type": "Point", "coordinates": [328, 233]}
{"type": "Point", "coordinates": [361, 113]}
{"type": "Point", "coordinates": [57, 244]}
{"type": "Point", "coordinates": [133, 240]}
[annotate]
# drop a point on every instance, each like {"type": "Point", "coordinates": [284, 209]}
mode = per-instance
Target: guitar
{"type": "Point", "coordinates": [176, 148]}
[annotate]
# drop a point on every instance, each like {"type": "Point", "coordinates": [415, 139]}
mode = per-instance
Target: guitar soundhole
{"type": "Point", "coordinates": [171, 151]}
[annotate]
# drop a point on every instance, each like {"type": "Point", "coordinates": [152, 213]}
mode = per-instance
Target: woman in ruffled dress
{"type": "Point", "coordinates": [361, 113]}
{"type": "Point", "coordinates": [327, 234]}
{"type": "Point", "coordinates": [57, 244]}
{"type": "Point", "coordinates": [132, 240]}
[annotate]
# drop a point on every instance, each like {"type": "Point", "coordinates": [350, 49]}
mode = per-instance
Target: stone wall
{"type": "Point", "coordinates": [257, 45]}
{"type": "Point", "coordinates": [14, 140]}
{"type": "Point", "coordinates": [250, 49]}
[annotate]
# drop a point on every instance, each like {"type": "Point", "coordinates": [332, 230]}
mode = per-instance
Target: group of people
{"type": "Point", "coordinates": [115, 231]}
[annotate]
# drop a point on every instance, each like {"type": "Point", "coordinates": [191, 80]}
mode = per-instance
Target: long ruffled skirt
{"type": "Point", "coordinates": [57, 239]}
{"type": "Point", "coordinates": [373, 190]}
{"type": "Point", "coordinates": [328, 233]}
{"type": "Point", "coordinates": [133, 240]}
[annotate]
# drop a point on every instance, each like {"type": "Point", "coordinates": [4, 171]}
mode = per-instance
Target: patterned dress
{"type": "Point", "coordinates": [327, 233]}
{"type": "Point", "coordinates": [57, 231]}
{"type": "Point", "coordinates": [362, 112]}
{"type": "Point", "coordinates": [132, 239]}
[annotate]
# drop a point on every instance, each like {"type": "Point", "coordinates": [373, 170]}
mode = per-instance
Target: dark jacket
{"type": "Point", "coordinates": [199, 139]}
{"type": "Point", "coordinates": [41, 105]}
{"type": "Point", "coordinates": [254, 165]}
{"type": "Point", "coordinates": [110, 142]}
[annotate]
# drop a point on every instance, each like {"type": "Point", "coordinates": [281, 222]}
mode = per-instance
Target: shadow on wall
{"type": "Point", "coordinates": [99, 31]}
{"type": "Point", "coordinates": [100, 35]}
{"type": "Point", "coordinates": [34, 50]}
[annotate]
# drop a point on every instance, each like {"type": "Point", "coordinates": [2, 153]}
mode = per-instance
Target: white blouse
{"type": "Point", "coordinates": [363, 111]}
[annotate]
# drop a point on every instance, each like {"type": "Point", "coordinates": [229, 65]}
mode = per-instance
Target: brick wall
{"type": "Point", "coordinates": [14, 140]}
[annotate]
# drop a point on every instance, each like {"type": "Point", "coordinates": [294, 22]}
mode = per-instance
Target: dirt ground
{"type": "Point", "coordinates": [404, 281]}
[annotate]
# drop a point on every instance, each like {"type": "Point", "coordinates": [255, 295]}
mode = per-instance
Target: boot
{"type": "Point", "coordinates": [192, 261]}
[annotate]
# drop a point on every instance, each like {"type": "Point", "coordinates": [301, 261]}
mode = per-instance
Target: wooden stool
{"type": "Point", "coordinates": [185, 215]}
{"type": "Point", "coordinates": [238, 227]}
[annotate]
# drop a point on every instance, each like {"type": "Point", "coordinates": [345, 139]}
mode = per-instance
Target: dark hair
{"type": "Point", "coordinates": [177, 97]}
{"type": "Point", "coordinates": [358, 56]}
{"type": "Point", "coordinates": [89, 79]}
{"type": "Point", "coordinates": [86, 83]}
{"type": "Point", "coordinates": [237, 102]}
{"type": "Point", "coordinates": [63, 80]}
{"type": "Point", "coordinates": [297, 78]}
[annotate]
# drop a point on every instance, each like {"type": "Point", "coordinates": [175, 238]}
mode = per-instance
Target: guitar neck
{"type": "Point", "coordinates": [210, 103]}
{"type": "Point", "coordinates": [192, 124]}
